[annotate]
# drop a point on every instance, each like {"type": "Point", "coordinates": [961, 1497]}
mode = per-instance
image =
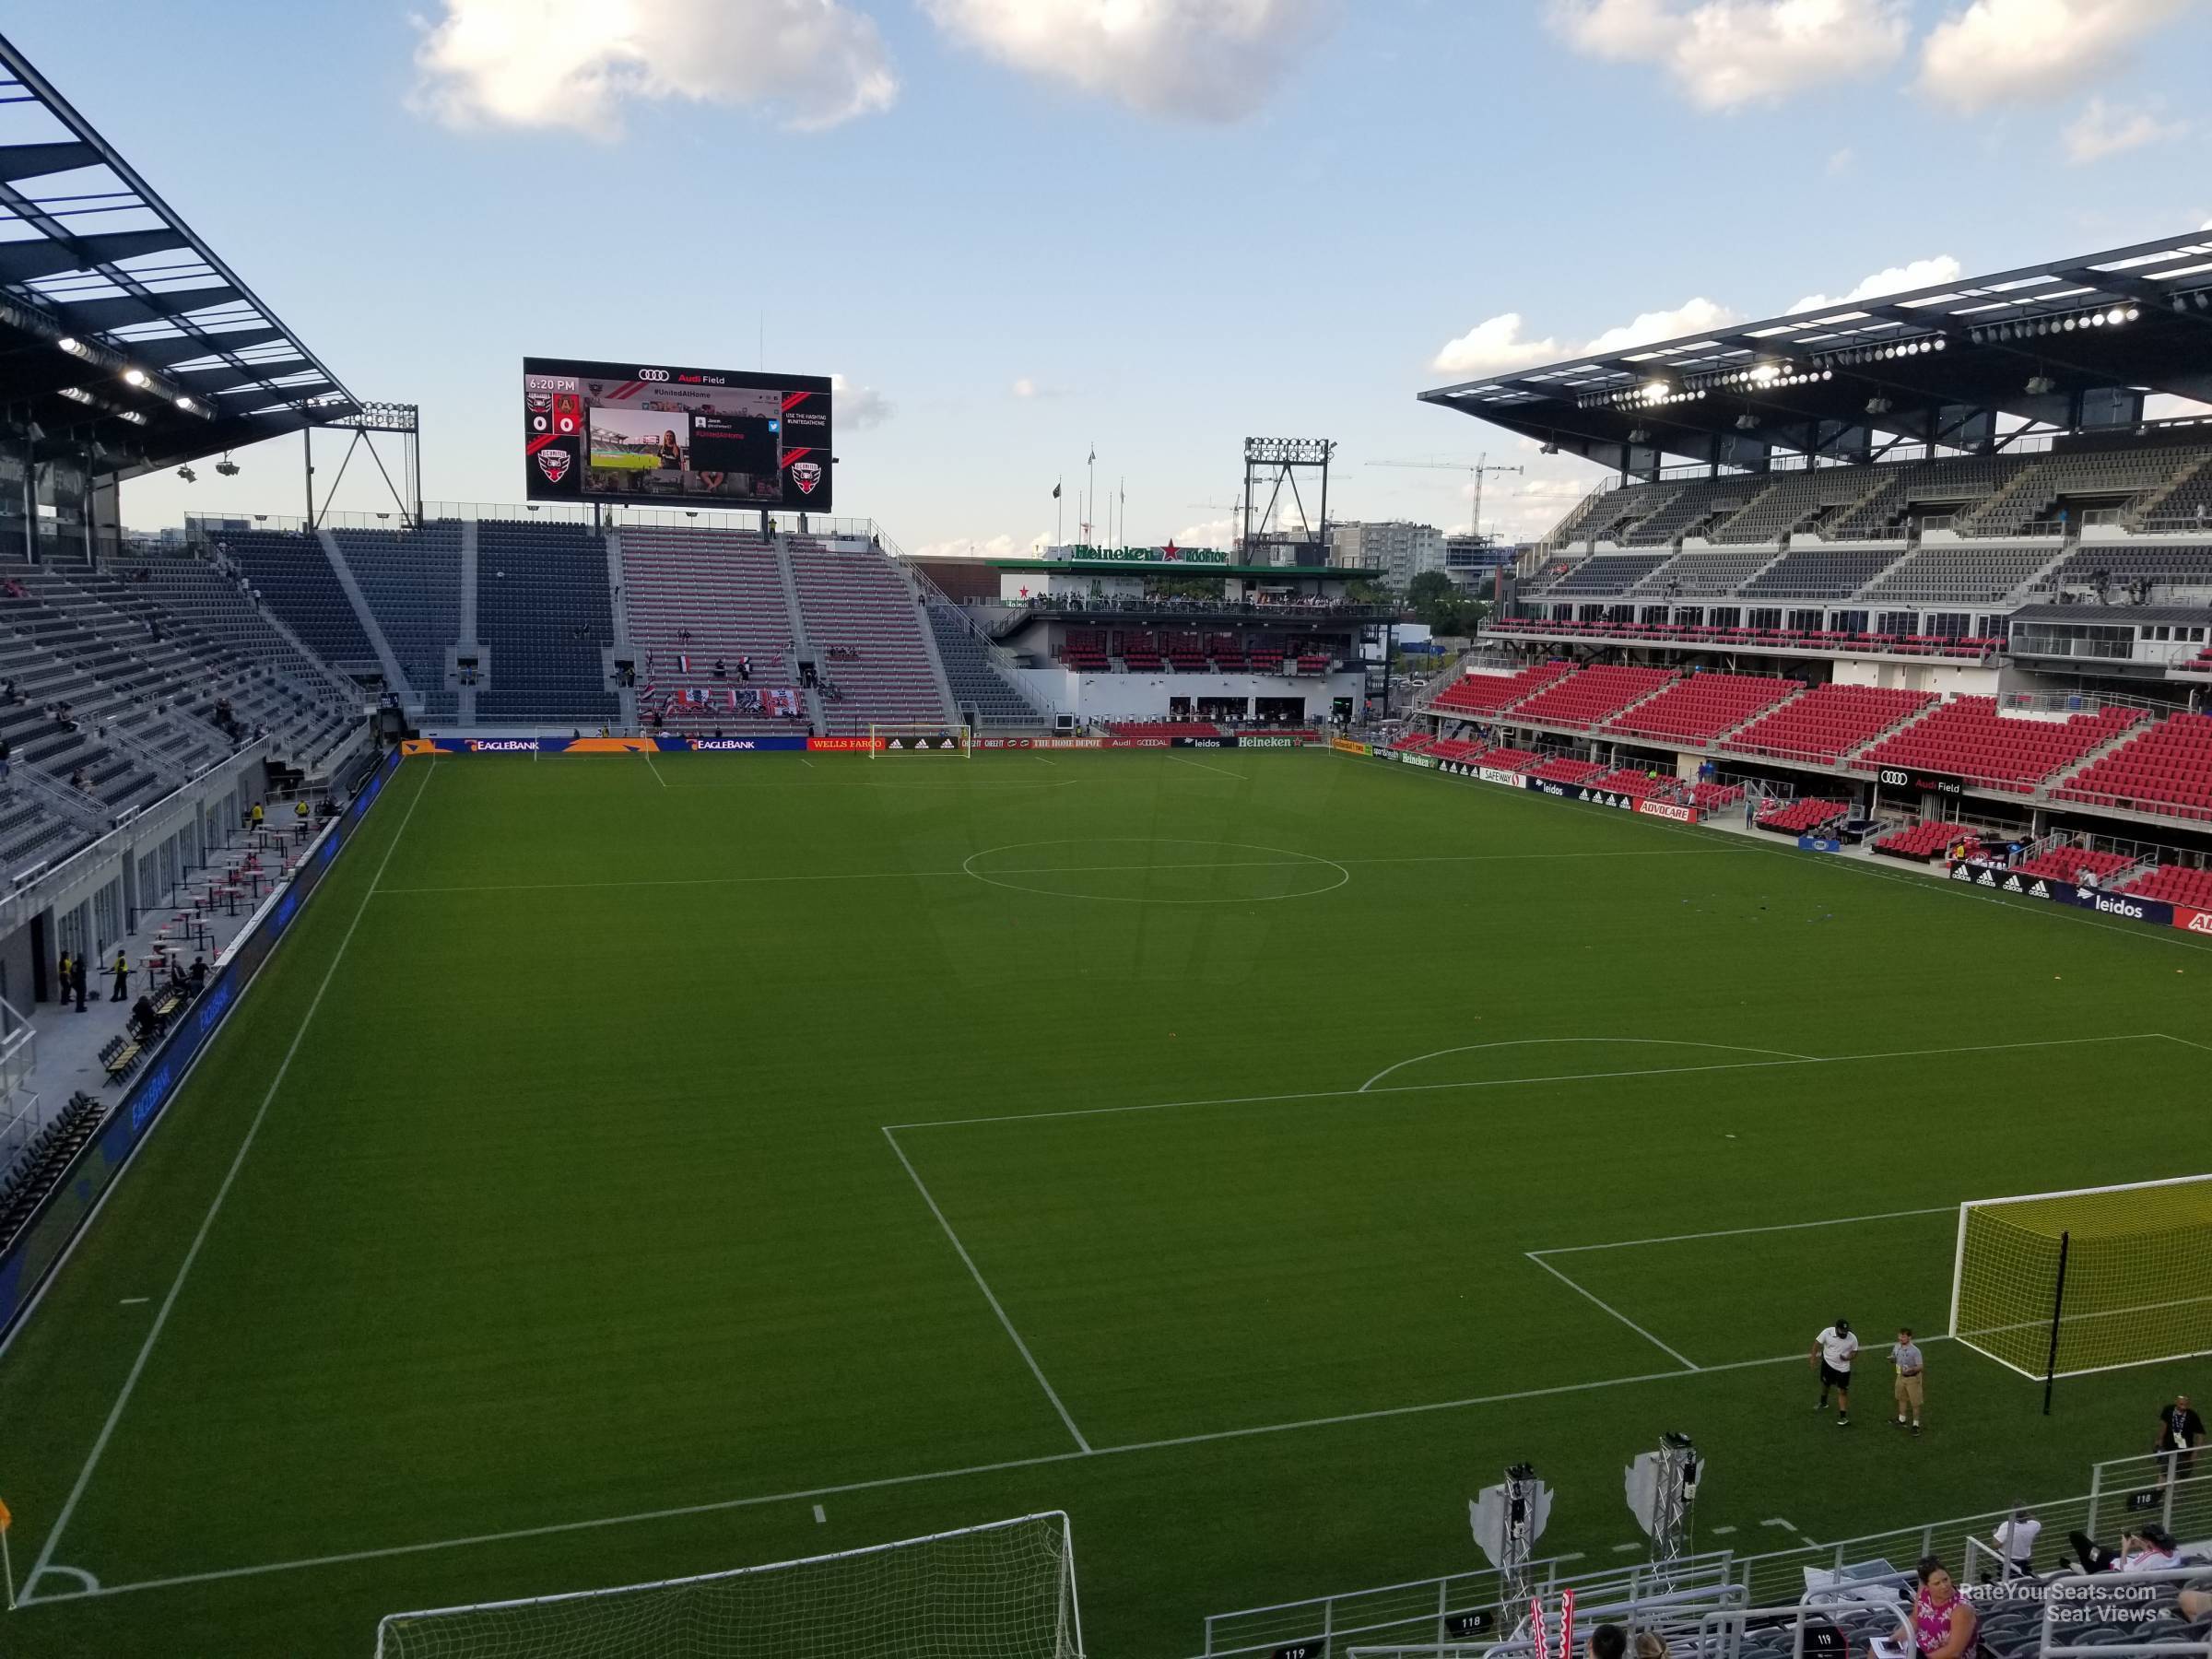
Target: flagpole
{"type": "Point", "coordinates": [7, 1561]}
{"type": "Point", "coordinates": [1059, 512]}
{"type": "Point", "coordinates": [1091, 492]}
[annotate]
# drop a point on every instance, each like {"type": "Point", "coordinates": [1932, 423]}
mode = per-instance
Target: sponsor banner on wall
{"type": "Point", "coordinates": [843, 745]}
{"type": "Point", "coordinates": [1071, 743]}
{"type": "Point", "coordinates": [1345, 746]}
{"type": "Point", "coordinates": [1998, 878]}
{"type": "Point", "coordinates": [602, 745]}
{"type": "Point", "coordinates": [1927, 783]}
{"type": "Point", "coordinates": [1135, 743]}
{"type": "Point", "coordinates": [1006, 743]}
{"type": "Point", "coordinates": [1511, 780]}
{"type": "Point", "coordinates": [1214, 743]}
{"type": "Point", "coordinates": [1818, 844]}
{"type": "Point", "coordinates": [2192, 921]}
{"type": "Point", "coordinates": [735, 745]}
{"type": "Point", "coordinates": [39, 1245]}
{"type": "Point", "coordinates": [1671, 811]}
{"type": "Point", "coordinates": [1279, 740]}
{"type": "Point", "coordinates": [1423, 760]}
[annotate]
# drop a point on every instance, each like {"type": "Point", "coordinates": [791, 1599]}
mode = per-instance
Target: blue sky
{"type": "Point", "coordinates": [1019, 227]}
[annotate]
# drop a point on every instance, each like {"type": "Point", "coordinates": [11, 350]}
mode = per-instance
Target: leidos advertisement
{"type": "Point", "coordinates": [640, 433]}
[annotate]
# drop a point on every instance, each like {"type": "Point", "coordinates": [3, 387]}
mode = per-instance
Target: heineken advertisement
{"type": "Point", "coordinates": [1171, 554]}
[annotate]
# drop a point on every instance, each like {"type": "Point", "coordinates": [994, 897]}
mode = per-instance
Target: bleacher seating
{"type": "Point", "coordinates": [1699, 708]}
{"type": "Point", "coordinates": [1493, 693]}
{"type": "Point", "coordinates": [1694, 507]}
{"type": "Point", "coordinates": [1804, 818]}
{"type": "Point", "coordinates": [2093, 471]}
{"type": "Point", "coordinates": [1607, 573]}
{"type": "Point", "coordinates": [1961, 573]}
{"type": "Point", "coordinates": [2176, 884]}
{"type": "Point", "coordinates": [1085, 650]}
{"type": "Point", "coordinates": [1794, 500]}
{"type": "Point", "coordinates": [411, 580]}
{"type": "Point", "coordinates": [1461, 749]}
{"type": "Point", "coordinates": [1969, 739]}
{"type": "Point", "coordinates": [544, 613]}
{"type": "Point", "coordinates": [1828, 642]}
{"type": "Point", "coordinates": [1827, 721]}
{"type": "Point", "coordinates": [1563, 770]}
{"type": "Point", "coordinates": [857, 600]}
{"type": "Point", "coordinates": [1819, 572]}
{"type": "Point", "coordinates": [1164, 728]}
{"type": "Point", "coordinates": [1701, 574]}
{"type": "Point", "coordinates": [1638, 781]}
{"type": "Point", "coordinates": [2167, 769]}
{"type": "Point", "coordinates": [1930, 838]}
{"type": "Point", "coordinates": [40, 1165]}
{"type": "Point", "coordinates": [724, 589]}
{"type": "Point", "coordinates": [2069, 864]}
{"type": "Point", "coordinates": [973, 674]}
{"type": "Point", "coordinates": [291, 573]}
{"type": "Point", "coordinates": [1504, 759]}
{"type": "Point", "coordinates": [1591, 695]}
{"type": "Point", "coordinates": [2160, 564]}
{"type": "Point", "coordinates": [1956, 481]}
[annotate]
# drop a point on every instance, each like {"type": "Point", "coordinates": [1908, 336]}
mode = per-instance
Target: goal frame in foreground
{"type": "Point", "coordinates": [2045, 1331]}
{"type": "Point", "coordinates": [919, 737]}
{"type": "Point", "coordinates": [441, 1631]}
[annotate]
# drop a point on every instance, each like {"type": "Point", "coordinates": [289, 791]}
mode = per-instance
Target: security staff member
{"type": "Point", "coordinates": [123, 977]}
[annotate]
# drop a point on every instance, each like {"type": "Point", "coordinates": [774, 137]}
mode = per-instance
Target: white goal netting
{"type": "Point", "coordinates": [2095, 1279]}
{"type": "Point", "coordinates": [1005, 1591]}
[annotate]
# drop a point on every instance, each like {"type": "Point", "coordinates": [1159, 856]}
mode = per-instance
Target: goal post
{"type": "Point", "coordinates": [1005, 1590]}
{"type": "Point", "coordinates": [919, 737]}
{"type": "Point", "coordinates": [2099, 1278]}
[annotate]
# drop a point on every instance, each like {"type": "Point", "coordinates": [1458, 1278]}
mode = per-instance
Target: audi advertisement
{"type": "Point", "coordinates": [642, 432]}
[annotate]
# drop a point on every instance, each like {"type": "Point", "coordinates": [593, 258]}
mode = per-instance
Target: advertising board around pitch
{"type": "Point", "coordinates": [643, 433]}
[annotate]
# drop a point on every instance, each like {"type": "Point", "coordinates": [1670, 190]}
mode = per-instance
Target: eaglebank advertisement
{"type": "Point", "coordinates": [619, 746]}
{"type": "Point", "coordinates": [2151, 912]}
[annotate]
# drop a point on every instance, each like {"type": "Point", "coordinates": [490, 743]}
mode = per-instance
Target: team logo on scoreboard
{"type": "Point", "coordinates": [805, 475]}
{"type": "Point", "coordinates": [554, 463]}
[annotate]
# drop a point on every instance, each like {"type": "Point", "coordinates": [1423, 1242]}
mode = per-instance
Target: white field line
{"type": "Point", "coordinates": [1395, 1088]}
{"type": "Point", "coordinates": [983, 1285]}
{"type": "Point", "coordinates": [1203, 766]}
{"type": "Point", "coordinates": [688, 881]}
{"type": "Point", "coordinates": [169, 1302]}
{"type": "Point", "coordinates": [656, 770]}
{"type": "Point", "coordinates": [810, 1494]}
{"type": "Point", "coordinates": [1671, 1352]}
{"type": "Point", "coordinates": [1737, 1232]}
{"type": "Point", "coordinates": [1470, 1048]}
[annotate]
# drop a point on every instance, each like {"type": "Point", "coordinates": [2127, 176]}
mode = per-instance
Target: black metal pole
{"type": "Point", "coordinates": [2058, 1302]}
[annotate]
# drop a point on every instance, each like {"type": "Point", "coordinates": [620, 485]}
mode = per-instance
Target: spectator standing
{"type": "Point", "coordinates": [2015, 1539]}
{"type": "Point", "coordinates": [2181, 1431]}
{"type": "Point", "coordinates": [122, 976]}
{"type": "Point", "coordinates": [77, 973]}
{"type": "Point", "coordinates": [1905, 1355]}
{"type": "Point", "coordinates": [1833, 1350]}
{"type": "Point", "coordinates": [69, 970]}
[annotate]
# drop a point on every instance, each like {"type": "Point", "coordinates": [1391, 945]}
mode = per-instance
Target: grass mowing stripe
{"type": "Point", "coordinates": [1035, 1369]}
{"type": "Point", "coordinates": [153, 1335]}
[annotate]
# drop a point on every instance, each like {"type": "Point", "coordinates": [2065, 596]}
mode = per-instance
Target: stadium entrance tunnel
{"type": "Point", "coordinates": [1528, 1058]}
{"type": "Point", "coordinates": [1151, 870]}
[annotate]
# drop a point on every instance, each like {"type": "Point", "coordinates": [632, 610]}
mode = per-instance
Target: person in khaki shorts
{"type": "Point", "coordinates": [1905, 1355]}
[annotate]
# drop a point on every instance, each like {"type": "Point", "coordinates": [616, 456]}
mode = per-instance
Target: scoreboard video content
{"type": "Point", "coordinates": [640, 433]}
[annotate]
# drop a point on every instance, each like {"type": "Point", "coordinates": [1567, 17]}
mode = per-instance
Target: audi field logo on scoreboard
{"type": "Point", "coordinates": [805, 475]}
{"type": "Point", "coordinates": [554, 464]}
{"type": "Point", "coordinates": [652, 374]}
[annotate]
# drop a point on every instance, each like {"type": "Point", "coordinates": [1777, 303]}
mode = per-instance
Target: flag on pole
{"type": "Point", "coordinates": [5, 1517]}
{"type": "Point", "coordinates": [1055, 492]}
{"type": "Point", "coordinates": [683, 662]}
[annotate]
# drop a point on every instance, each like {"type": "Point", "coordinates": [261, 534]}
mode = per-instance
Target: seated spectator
{"type": "Point", "coordinates": [199, 974]}
{"type": "Point", "coordinates": [722, 669]}
{"type": "Point", "coordinates": [144, 1023]}
{"type": "Point", "coordinates": [1941, 1623]}
{"type": "Point", "coordinates": [2015, 1539]}
{"type": "Point", "coordinates": [2148, 1548]}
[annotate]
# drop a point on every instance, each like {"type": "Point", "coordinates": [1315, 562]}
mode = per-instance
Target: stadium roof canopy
{"type": "Point", "coordinates": [122, 331]}
{"type": "Point", "coordinates": [2069, 346]}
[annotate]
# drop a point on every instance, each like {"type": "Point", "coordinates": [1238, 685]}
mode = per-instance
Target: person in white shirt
{"type": "Point", "coordinates": [1833, 1351]}
{"type": "Point", "coordinates": [2015, 1539]}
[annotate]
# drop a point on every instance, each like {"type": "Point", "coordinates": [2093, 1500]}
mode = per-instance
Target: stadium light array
{"type": "Point", "coordinates": [76, 394]}
{"type": "Point", "coordinates": [72, 346]}
{"type": "Point", "coordinates": [134, 376]}
{"type": "Point", "coordinates": [2114, 317]}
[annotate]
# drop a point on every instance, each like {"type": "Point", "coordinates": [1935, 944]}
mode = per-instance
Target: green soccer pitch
{"type": "Point", "coordinates": [625, 460]}
{"type": "Point", "coordinates": [634, 1167]}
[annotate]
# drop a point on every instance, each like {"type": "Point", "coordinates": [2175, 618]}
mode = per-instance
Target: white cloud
{"type": "Point", "coordinates": [855, 408]}
{"type": "Point", "coordinates": [1692, 317]}
{"type": "Point", "coordinates": [1025, 387]}
{"type": "Point", "coordinates": [1998, 52]}
{"type": "Point", "coordinates": [1723, 55]}
{"type": "Point", "coordinates": [577, 62]}
{"type": "Point", "coordinates": [1213, 533]}
{"type": "Point", "coordinates": [2100, 131]}
{"type": "Point", "coordinates": [1204, 60]}
{"type": "Point", "coordinates": [1919, 274]}
{"type": "Point", "coordinates": [1497, 346]}
{"type": "Point", "coordinates": [1492, 346]}
{"type": "Point", "coordinates": [1841, 162]}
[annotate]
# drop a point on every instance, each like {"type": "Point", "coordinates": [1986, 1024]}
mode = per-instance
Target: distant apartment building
{"type": "Point", "coordinates": [1399, 549]}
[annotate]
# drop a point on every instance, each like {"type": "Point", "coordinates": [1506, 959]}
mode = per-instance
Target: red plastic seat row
{"type": "Point", "coordinates": [1701, 708]}
{"type": "Point", "coordinates": [1590, 695]}
{"type": "Point", "coordinates": [2176, 884]}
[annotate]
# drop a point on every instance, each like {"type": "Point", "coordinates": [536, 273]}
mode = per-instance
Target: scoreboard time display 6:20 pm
{"type": "Point", "coordinates": [641, 433]}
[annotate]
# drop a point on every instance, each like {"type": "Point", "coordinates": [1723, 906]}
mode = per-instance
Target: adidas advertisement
{"type": "Point", "coordinates": [645, 432]}
{"type": "Point", "coordinates": [1998, 879]}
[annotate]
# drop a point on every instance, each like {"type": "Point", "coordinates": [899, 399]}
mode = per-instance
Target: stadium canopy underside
{"type": "Point", "coordinates": [128, 345]}
{"type": "Point", "coordinates": [2072, 346]}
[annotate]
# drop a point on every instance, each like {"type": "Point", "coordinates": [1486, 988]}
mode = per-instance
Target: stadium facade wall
{"type": "Point", "coordinates": [40, 1248]}
{"type": "Point", "coordinates": [1104, 696]}
{"type": "Point", "coordinates": [1944, 680]}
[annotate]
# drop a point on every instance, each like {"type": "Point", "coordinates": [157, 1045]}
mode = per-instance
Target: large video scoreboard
{"type": "Point", "coordinates": [641, 433]}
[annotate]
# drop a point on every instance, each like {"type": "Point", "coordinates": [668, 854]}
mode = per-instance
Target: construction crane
{"type": "Point", "coordinates": [1479, 468]}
